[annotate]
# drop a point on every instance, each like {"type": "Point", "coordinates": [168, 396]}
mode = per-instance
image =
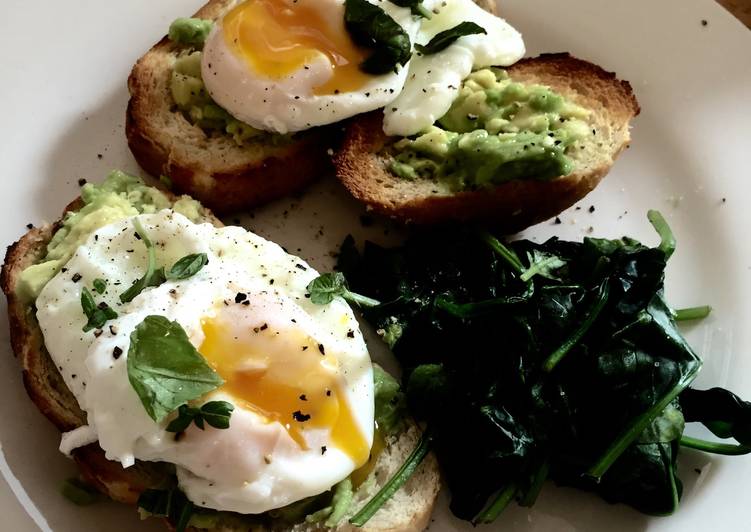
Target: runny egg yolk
{"type": "Point", "coordinates": [300, 388]}
{"type": "Point", "coordinates": [278, 37]}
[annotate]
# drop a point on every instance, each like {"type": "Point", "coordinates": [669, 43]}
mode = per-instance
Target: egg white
{"type": "Point", "coordinates": [434, 80]}
{"type": "Point", "coordinates": [254, 465]}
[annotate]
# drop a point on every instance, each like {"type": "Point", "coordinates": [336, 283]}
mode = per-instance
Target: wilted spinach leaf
{"type": "Point", "coordinates": [446, 38]}
{"type": "Point", "coordinates": [371, 27]}
{"type": "Point", "coordinates": [529, 361]}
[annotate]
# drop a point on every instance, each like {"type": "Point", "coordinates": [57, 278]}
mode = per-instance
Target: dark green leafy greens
{"type": "Point", "coordinates": [172, 504]}
{"type": "Point", "coordinates": [371, 27]}
{"type": "Point", "coordinates": [446, 38]}
{"type": "Point", "coordinates": [98, 314]}
{"type": "Point", "coordinates": [215, 413]}
{"type": "Point", "coordinates": [165, 369]}
{"type": "Point", "coordinates": [558, 361]}
{"type": "Point", "coordinates": [415, 6]}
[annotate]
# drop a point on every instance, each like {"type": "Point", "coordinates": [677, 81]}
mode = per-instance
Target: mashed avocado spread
{"type": "Point", "coordinates": [189, 92]}
{"type": "Point", "coordinates": [496, 130]}
{"type": "Point", "coordinates": [118, 197]}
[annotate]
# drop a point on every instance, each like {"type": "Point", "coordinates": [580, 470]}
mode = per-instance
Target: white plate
{"type": "Point", "coordinates": [63, 97]}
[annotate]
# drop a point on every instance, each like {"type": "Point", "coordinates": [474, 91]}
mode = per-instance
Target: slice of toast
{"type": "Point", "coordinates": [362, 161]}
{"type": "Point", "coordinates": [212, 168]}
{"type": "Point", "coordinates": [408, 510]}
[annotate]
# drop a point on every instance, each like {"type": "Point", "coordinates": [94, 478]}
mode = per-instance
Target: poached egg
{"type": "Point", "coordinates": [298, 374]}
{"type": "Point", "coordinates": [289, 65]}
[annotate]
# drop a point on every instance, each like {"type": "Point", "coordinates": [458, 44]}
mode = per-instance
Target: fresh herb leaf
{"type": "Point", "coordinates": [153, 276]}
{"type": "Point", "coordinates": [415, 6]}
{"type": "Point", "coordinates": [98, 315]}
{"type": "Point", "coordinates": [187, 267]}
{"type": "Point", "coordinates": [394, 483]}
{"type": "Point", "coordinates": [215, 413]}
{"type": "Point", "coordinates": [100, 285]}
{"type": "Point", "coordinates": [371, 27]}
{"type": "Point", "coordinates": [79, 493]}
{"type": "Point", "coordinates": [324, 288]}
{"type": "Point", "coordinates": [165, 369]}
{"type": "Point", "coordinates": [446, 38]}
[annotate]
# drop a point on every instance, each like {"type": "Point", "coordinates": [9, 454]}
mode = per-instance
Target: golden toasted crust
{"type": "Point", "coordinates": [409, 509]}
{"type": "Point", "coordinates": [45, 385]}
{"type": "Point", "coordinates": [361, 163]}
{"type": "Point", "coordinates": [213, 169]}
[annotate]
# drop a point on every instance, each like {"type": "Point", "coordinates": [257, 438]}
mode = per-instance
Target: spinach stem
{"type": "Point", "coordinates": [594, 311]}
{"type": "Point", "coordinates": [478, 308]}
{"type": "Point", "coordinates": [358, 299]}
{"type": "Point", "coordinates": [539, 478]}
{"type": "Point", "coordinates": [667, 460]}
{"type": "Point", "coordinates": [505, 253]}
{"type": "Point", "coordinates": [631, 433]}
{"type": "Point", "coordinates": [395, 482]}
{"type": "Point", "coordinates": [692, 313]}
{"type": "Point", "coordinates": [502, 499]}
{"type": "Point", "coordinates": [667, 239]}
{"type": "Point", "coordinates": [728, 449]}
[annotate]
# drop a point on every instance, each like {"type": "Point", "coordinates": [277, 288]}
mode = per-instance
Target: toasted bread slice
{"type": "Point", "coordinates": [212, 168]}
{"type": "Point", "coordinates": [408, 510]}
{"type": "Point", "coordinates": [362, 161]}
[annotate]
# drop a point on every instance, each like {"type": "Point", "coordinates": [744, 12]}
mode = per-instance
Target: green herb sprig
{"type": "Point", "coordinates": [165, 369]}
{"type": "Point", "coordinates": [214, 413]}
{"type": "Point", "coordinates": [187, 267]}
{"type": "Point", "coordinates": [326, 287]}
{"type": "Point", "coordinates": [153, 276]}
{"type": "Point", "coordinates": [183, 269]}
{"type": "Point", "coordinates": [97, 314]}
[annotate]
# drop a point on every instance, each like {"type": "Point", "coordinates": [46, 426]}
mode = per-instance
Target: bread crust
{"type": "Point", "coordinates": [213, 169]}
{"type": "Point", "coordinates": [46, 388]}
{"type": "Point", "coordinates": [511, 206]}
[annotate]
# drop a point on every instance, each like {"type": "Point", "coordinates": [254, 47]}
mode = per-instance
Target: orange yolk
{"type": "Point", "coordinates": [277, 386]}
{"type": "Point", "coordinates": [278, 37]}
{"type": "Point", "coordinates": [361, 474]}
